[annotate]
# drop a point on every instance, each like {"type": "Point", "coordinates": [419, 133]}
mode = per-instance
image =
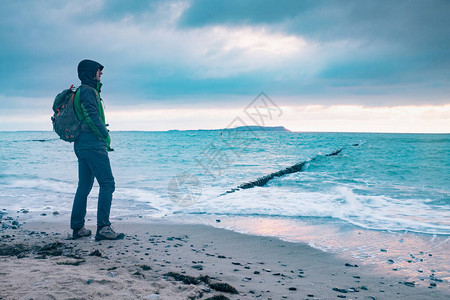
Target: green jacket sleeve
{"type": "Point", "coordinates": [90, 110]}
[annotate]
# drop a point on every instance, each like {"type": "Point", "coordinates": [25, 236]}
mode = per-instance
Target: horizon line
{"type": "Point", "coordinates": [289, 131]}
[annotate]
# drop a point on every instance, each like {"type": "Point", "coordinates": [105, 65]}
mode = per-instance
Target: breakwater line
{"type": "Point", "coordinates": [298, 167]}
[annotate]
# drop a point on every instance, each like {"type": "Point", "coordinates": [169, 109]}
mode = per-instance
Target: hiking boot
{"type": "Point", "coordinates": [81, 233]}
{"type": "Point", "coordinates": [108, 233]}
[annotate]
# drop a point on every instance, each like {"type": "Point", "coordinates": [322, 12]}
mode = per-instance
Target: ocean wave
{"type": "Point", "coordinates": [366, 211]}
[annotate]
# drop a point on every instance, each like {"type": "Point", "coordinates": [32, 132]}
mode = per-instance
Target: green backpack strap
{"type": "Point", "coordinates": [83, 115]}
{"type": "Point", "coordinates": [77, 106]}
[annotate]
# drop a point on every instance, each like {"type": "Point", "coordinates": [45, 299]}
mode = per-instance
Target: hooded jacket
{"type": "Point", "coordinates": [94, 134]}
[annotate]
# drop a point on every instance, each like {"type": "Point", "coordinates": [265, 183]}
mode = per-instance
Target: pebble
{"type": "Point", "coordinates": [197, 267]}
{"type": "Point", "coordinates": [112, 274]}
{"type": "Point", "coordinates": [89, 281]}
{"type": "Point", "coordinates": [145, 267]}
{"type": "Point", "coordinates": [350, 265]}
{"type": "Point", "coordinates": [435, 279]}
{"type": "Point", "coordinates": [340, 290]}
{"type": "Point", "coordinates": [96, 253]}
{"type": "Point", "coordinates": [153, 297]}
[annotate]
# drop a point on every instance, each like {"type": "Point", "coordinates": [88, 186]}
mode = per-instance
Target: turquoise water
{"type": "Point", "coordinates": [389, 182]}
{"type": "Point", "coordinates": [382, 191]}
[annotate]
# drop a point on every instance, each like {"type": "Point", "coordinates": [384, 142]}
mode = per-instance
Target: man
{"type": "Point", "coordinates": [91, 150]}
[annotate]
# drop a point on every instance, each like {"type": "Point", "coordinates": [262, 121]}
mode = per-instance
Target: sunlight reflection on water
{"type": "Point", "coordinates": [419, 257]}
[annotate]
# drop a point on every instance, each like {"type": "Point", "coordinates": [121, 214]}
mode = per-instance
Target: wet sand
{"type": "Point", "coordinates": [38, 260]}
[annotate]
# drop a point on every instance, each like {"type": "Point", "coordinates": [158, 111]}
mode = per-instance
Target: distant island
{"type": "Point", "coordinates": [259, 128]}
{"type": "Point", "coordinates": [244, 128]}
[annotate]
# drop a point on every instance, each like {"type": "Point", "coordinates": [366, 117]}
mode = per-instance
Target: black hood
{"type": "Point", "coordinates": [87, 71]}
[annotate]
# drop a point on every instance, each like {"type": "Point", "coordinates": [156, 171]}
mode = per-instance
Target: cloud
{"type": "Point", "coordinates": [222, 53]}
{"type": "Point", "coordinates": [17, 113]}
{"type": "Point", "coordinates": [420, 23]}
{"type": "Point", "coordinates": [368, 42]}
{"type": "Point", "coordinates": [235, 12]}
{"type": "Point", "coordinates": [143, 51]}
{"type": "Point", "coordinates": [357, 118]}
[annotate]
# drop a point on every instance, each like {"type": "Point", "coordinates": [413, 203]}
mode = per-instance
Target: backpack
{"type": "Point", "coordinates": [65, 121]}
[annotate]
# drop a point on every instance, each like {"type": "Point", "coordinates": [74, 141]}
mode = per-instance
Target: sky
{"type": "Point", "coordinates": [350, 65]}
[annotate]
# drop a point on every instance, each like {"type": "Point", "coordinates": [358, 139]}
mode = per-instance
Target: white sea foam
{"type": "Point", "coordinates": [44, 185]}
{"type": "Point", "coordinates": [388, 182]}
{"type": "Point", "coordinates": [372, 212]}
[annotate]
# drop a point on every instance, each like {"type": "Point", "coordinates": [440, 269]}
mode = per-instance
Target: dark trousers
{"type": "Point", "coordinates": [93, 164]}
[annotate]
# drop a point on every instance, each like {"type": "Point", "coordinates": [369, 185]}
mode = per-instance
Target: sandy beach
{"type": "Point", "coordinates": [172, 261]}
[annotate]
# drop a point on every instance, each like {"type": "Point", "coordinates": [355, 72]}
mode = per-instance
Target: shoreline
{"type": "Point", "coordinates": [420, 257]}
{"type": "Point", "coordinates": [144, 266]}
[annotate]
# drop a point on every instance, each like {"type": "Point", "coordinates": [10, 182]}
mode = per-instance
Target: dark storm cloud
{"type": "Point", "coordinates": [397, 41]}
{"type": "Point", "coordinates": [394, 48]}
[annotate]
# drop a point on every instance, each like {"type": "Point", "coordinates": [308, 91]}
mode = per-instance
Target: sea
{"type": "Point", "coordinates": [378, 198]}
